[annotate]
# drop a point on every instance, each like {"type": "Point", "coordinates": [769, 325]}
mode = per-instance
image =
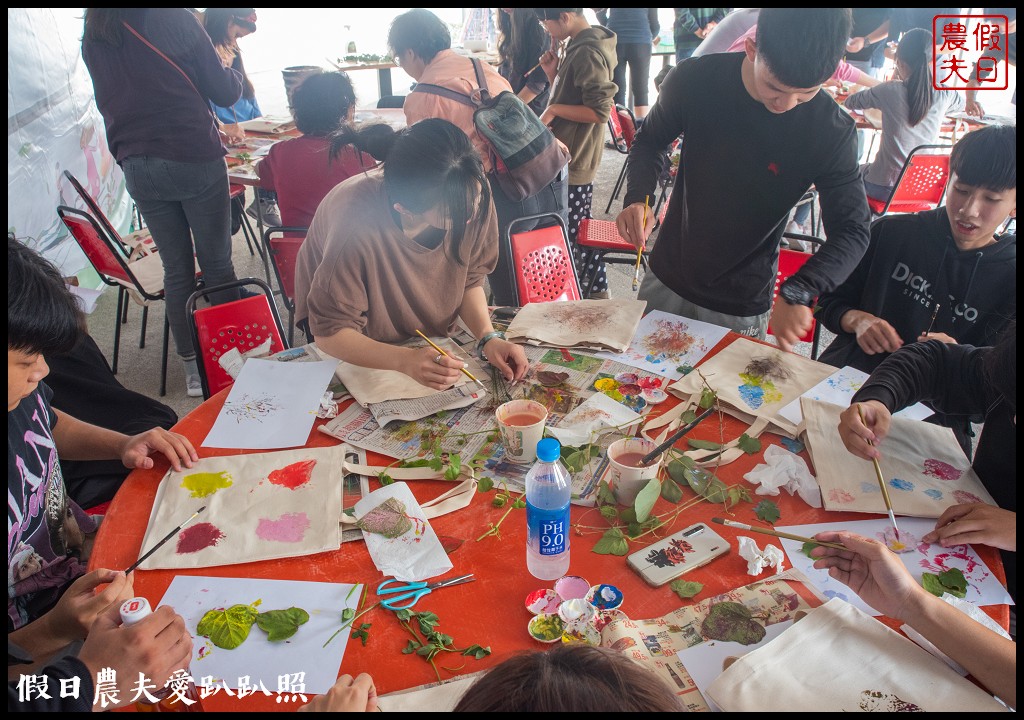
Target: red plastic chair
{"type": "Point", "coordinates": [622, 125]}
{"type": "Point", "coordinates": [139, 240]}
{"type": "Point", "coordinates": [921, 184]}
{"type": "Point", "coordinates": [602, 243]}
{"type": "Point", "coordinates": [140, 276]}
{"type": "Point", "coordinates": [282, 245]}
{"type": "Point", "coordinates": [242, 324]}
{"type": "Point", "coordinates": [790, 261]}
{"type": "Point", "coordinates": [542, 263]}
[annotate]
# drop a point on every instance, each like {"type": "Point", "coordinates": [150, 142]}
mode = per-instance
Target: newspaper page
{"type": "Point", "coordinates": [353, 489]}
{"type": "Point", "coordinates": [654, 643]}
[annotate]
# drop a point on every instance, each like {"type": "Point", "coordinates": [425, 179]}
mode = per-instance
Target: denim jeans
{"type": "Point", "coordinates": [186, 208]}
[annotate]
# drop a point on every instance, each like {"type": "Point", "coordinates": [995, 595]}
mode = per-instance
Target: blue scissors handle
{"type": "Point", "coordinates": [411, 591]}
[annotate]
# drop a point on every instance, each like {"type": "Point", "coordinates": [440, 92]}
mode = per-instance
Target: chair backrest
{"type": "Point", "coordinates": [627, 121]}
{"type": "Point", "coordinates": [283, 245]}
{"type": "Point", "coordinates": [243, 324]}
{"type": "Point", "coordinates": [790, 261]}
{"type": "Point", "coordinates": [922, 181]}
{"type": "Point", "coordinates": [615, 127]}
{"type": "Point", "coordinates": [542, 263]}
{"type": "Point", "coordinates": [103, 253]}
{"type": "Point", "coordinates": [129, 242]}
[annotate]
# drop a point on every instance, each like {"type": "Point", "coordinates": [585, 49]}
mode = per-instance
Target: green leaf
{"type": "Point", "coordinates": [229, 628]}
{"type": "Point", "coordinates": [403, 615]}
{"type": "Point", "coordinates": [688, 417]}
{"type": "Point", "coordinates": [384, 478]}
{"type": "Point", "coordinates": [702, 482]}
{"type": "Point", "coordinates": [454, 468]}
{"type": "Point", "coordinates": [627, 515]}
{"type": "Point", "coordinates": [417, 463]}
{"type": "Point", "coordinates": [703, 444]}
{"type": "Point", "coordinates": [671, 491]}
{"type": "Point", "coordinates": [684, 370]}
{"type": "Point", "coordinates": [411, 647]}
{"type": "Point", "coordinates": [954, 581]}
{"type": "Point", "coordinates": [577, 460]}
{"type": "Point", "coordinates": [767, 511]}
{"type": "Point", "coordinates": [737, 494]}
{"type": "Point", "coordinates": [281, 624]}
{"type": "Point", "coordinates": [807, 547]}
{"type": "Point", "coordinates": [707, 398]}
{"type": "Point", "coordinates": [435, 464]}
{"type": "Point", "coordinates": [519, 503]}
{"type": "Point", "coordinates": [485, 484]}
{"type": "Point", "coordinates": [347, 614]}
{"type": "Point", "coordinates": [646, 498]}
{"type": "Point", "coordinates": [749, 445]}
{"type": "Point", "coordinates": [477, 651]}
{"type": "Point", "coordinates": [634, 530]}
{"type": "Point", "coordinates": [613, 542]}
{"type": "Point", "coordinates": [608, 512]}
{"type": "Point", "coordinates": [499, 501]}
{"type": "Point", "coordinates": [732, 622]}
{"type": "Point", "coordinates": [685, 589]}
{"type": "Point", "coordinates": [931, 583]}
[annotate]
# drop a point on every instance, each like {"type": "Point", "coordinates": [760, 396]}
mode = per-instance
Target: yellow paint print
{"type": "Point", "coordinates": [205, 484]}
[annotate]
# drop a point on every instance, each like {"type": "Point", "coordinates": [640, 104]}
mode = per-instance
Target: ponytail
{"type": "Point", "coordinates": [914, 51]}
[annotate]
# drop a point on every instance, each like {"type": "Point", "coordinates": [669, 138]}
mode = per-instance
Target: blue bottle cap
{"type": "Point", "coordinates": [549, 449]}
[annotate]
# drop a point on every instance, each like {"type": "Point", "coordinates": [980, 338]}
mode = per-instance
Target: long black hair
{"type": "Point", "coordinates": [521, 40]}
{"type": "Point", "coordinates": [216, 22]}
{"type": "Point", "coordinates": [103, 25]}
{"type": "Point", "coordinates": [321, 103]}
{"type": "Point", "coordinates": [42, 314]}
{"type": "Point", "coordinates": [915, 52]}
{"type": "Point", "coordinates": [429, 164]}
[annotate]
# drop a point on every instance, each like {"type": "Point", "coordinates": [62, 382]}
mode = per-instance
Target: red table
{"type": "Point", "coordinates": [489, 611]}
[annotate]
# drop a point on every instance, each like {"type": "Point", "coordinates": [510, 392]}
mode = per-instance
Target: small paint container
{"type": "Point", "coordinates": [653, 396]}
{"type": "Point", "coordinates": [626, 378]}
{"type": "Point", "coordinates": [630, 389]}
{"type": "Point", "coordinates": [546, 628]}
{"type": "Point", "coordinates": [544, 600]}
{"type": "Point", "coordinates": [649, 382]}
{"type": "Point", "coordinates": [576, 613]}
{"type": "Point", "coordinates": [604, 597]}
{"type": "Point", "coordinates": [586, 634]}
{"type": "Point", "coordinates": [636, 403]}
{"type": "Point", "coordinates": [604, 617]}
{"type": "Point", "coordinates": [572, 587]}
{"type": "Point", "coordinates": [605, 384]}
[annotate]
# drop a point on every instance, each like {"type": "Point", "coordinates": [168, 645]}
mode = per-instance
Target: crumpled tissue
{"type": "Point", "coordinates": [232, 360]}
{"type": "Point", "coordinates": [783, 469]}
{"type": "Point", "coordinates": [757, 559]}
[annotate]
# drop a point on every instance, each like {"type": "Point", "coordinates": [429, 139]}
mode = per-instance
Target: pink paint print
{"type": "Point", "coordinates": [289, 528]}
{"type": "Point", "coordinates": [198, 537]}
{"type": "Point", "coordinates": [963, 497]}
{"type": "Point", "coordinates": [941, 470]}
{"type": "Point", "coordinates": [840, 496]}
{"type": "Point", "coordinates": [293, 476]}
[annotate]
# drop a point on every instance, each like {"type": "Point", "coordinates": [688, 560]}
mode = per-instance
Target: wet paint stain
{"type": "Point", "coordinates": [198, 537]}
{"type": "Point", "coordinates": [878, 701]}
{"type": "Point", "coordinates": [293, 476]}
{"type": "Point", "coordinates": [900, 484]}
{"type": "Point", "coordinates": [289, 528]}
{"type": "Point", "coordinates": [794, 446]}
{"type": "Point", "coordinates": [757, 390]}
{"type": "Point", "coordinates": [669, 342]}
{"type": "Point", "coordinates": [202, 485]}
{"type": "Point", "coordinates": [840, 496]}
{"type": "Point", "coordinates": [933, 493]}
{"type": "Point", "coordinates": [963, 497]}
{"type": "Point", "coordinates": [941, 470]}
{"type": "Point", "coordinates": [835, 594]}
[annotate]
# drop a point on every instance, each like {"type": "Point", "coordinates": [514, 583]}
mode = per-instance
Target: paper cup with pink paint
{"type": "Point", "coordinates": [521, 423]}
{"type": "Point", "coordinates": [627, 476]}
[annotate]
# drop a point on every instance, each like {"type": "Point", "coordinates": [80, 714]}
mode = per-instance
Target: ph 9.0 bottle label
{"type": "Point", "coordinates": [548, 530]}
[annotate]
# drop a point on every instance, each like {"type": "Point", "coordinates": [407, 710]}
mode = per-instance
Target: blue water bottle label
{"type": "Point", "coordinates": [547, 530]}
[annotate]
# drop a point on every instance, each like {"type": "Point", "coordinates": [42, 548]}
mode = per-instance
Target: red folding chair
{"type": "Point", "coordinates": [282, 246]}
{"type": "Point", "coordinates": [790, 261]}
{"type": "Point", "coordinates": [601, 242]}
{"type": "Point", "coordinates": [243, 324]}
{"type": "Point", "coordinates": [542, 265]}
{"type": "Point", "coordinates": [140, 239]}
{"type": "Point", "coordinates": [921, 184]}
{"type": "Point", "coordinates": [622, 125]}
{"type": "Point", "coordinates": [139, 275]}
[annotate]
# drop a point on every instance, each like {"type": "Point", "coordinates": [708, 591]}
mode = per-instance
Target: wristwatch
{"type": "Point", "coordinates": [486, 339]}
{"type": "Point", "coordinates": [796, 294]}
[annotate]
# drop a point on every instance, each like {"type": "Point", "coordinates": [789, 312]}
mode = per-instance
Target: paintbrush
{"type": "Point", "coordinates": [528, 72]}
{"type": "Point", "coordinates": [776, 533]}
{"type": "Point", "coordinates": [675, 436]}
{"type": "Point", "coordinates": [640, 249]}
{"type": "Point", "coordinates": [160, 544]}
{"type": "Point", "coordinates": [931, 323]}
{"type": "Point", "coordinates": [881, 481]}
{"type": "Point", "coordinates": [466, 372]}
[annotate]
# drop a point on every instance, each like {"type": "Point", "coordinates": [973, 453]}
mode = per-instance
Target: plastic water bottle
{"type": "Point", "coordinates": [132, 611]}
{"type": "Point", "coordinates": [548, 490]}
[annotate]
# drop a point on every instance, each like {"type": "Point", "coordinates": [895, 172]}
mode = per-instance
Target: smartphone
{"type": "Point", "coordinates": [686, 550]}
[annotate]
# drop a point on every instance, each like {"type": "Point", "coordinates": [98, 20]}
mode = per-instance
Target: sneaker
{"type": "Point", "coordinates": [271, 215]}
{"type": "Point", "coordinates": [193, 385]}
{"type": "Point", "coordinates": [251, 210]}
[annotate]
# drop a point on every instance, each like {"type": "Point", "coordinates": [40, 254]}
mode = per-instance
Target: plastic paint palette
{"type": "Point", "coordinates": [574, 611]}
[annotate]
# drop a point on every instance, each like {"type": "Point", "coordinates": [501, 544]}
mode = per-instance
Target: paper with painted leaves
{"type": "Point", "coordinates": [257, 657]}
{"type": "Point", "coordinates": [271, 405]}
{"type": "Point", "coordinates": [584, 324]}
{"type": "Point", "coordinates": [983, 588]}
{"type": "Point", "coordinates": [925, 470]}
{"type": "Point", "coordinates": [416, 554]}
{"type": "Point", "coordinates": [269, 124]}
{"type": "Point", "coordinates": [663, 342]}
{"type": "Point", "coordinates": [259, 506]}
{"type": "Point", "coordinates": [837, 659]}
{"type": "Point", "coordinates": [839, 389]}
{"type": "Point", "coordinates": [754, 380]}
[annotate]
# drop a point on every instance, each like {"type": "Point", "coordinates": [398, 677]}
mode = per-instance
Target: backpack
{"type": "Point", "coordinates": [525, 154]}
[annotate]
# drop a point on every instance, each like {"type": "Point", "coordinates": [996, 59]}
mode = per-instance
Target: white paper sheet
{"type": "Point", "coordinates": [663, 341]}
{"type": "Point", "coordinates": [271, 405]}
{"type": "Point", "coordinates": [838, 389]}
{"type": "Point", "coordinates": [982, 586]}
{"type": "Point", "coordinates": [262, 660]}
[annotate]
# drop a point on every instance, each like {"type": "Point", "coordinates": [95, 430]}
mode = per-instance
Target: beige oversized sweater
{"type": "Point", "coordinates": [357, 268]}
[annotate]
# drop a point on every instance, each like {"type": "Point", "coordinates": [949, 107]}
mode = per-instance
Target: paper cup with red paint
{"type": "Point", "coordinates": [626, 476]}
{"type": "Point", "coordinates": [521, 423]}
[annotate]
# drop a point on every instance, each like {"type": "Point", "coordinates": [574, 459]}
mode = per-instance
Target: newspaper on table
{"type": "Point", "coordinates": [353, 489]}
{"type": "Point", "coordinates": [472, 431]}
{"type": "Point", "coordinates": [655, 643]}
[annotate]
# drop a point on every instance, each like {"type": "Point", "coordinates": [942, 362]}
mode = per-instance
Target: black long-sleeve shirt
{"type": "Point", "coordinates": [742, 170]}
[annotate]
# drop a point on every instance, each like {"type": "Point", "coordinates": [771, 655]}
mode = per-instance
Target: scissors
{"type": "Point", "coordinates": [413, 591]}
